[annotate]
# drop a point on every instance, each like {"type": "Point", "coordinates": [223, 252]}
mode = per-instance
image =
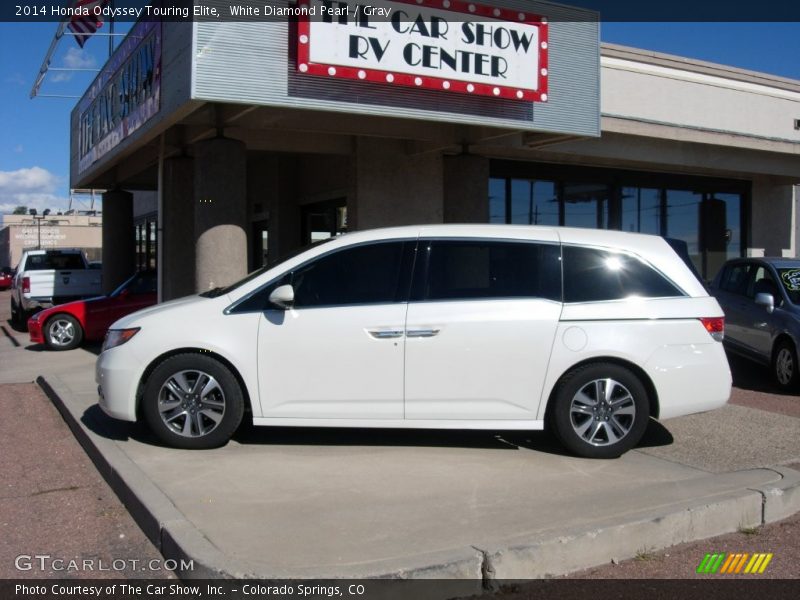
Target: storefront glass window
{"type": "Point", "coordinates": [152, 245]}
{"type": "Point", "coordinates": [586, 205]}
{"type": "Point", "coordinates": [533, 202]}
{"type": "Point", "coordinates": [709, 222]}
{"type": "Point", "coordinates": [683, 222]}
{"type": "Point", "coordinates": [640, 210]}
{"type": "Point", "coordinates": [140, 254]}
{"type": "Point", "coordinates": [733, 218]}
{"type": "Point", "coordinates": [497, 200]}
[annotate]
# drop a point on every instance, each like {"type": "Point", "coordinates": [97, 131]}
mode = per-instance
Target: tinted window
{"type": "Point", "coordinates": [735, 278]}
{"type": "Point", "coordinates": [762, 282]}
{"type": "Point", "coordinates": [592, 275]}
{"type": "Point", "coordinates": [368, 274]}
{"type": "Point", "coordinates": [60, 262]}
{"type": "Point", "coordinates": [483, 269]}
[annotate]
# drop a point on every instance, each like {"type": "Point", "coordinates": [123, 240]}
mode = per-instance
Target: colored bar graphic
{"type": "Point", "coordinates": [701, 568]}
{"type": "Point", "coordinates": [732, 563]}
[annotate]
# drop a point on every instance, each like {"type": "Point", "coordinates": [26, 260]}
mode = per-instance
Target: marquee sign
{"type": "Point", "coordinates": [449, 45]}
{"type": "Point", "coordinates": [125, 94]}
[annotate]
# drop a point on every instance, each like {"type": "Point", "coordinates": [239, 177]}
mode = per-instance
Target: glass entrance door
{"type": "Point", "coordinates": [323, 220]}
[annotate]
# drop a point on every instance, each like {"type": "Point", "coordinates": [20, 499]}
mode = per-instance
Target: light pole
{"type": "Point", "coordinates": [39, 220]}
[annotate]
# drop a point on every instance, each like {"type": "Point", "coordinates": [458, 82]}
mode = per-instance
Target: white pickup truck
{"type": "Point", "coordinates": [48, 277]}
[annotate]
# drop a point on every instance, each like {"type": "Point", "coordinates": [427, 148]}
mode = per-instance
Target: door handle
{"type": "Point", "coordinates": [385, 334]}
{"type": "Point", "coordinates": [421, 333]}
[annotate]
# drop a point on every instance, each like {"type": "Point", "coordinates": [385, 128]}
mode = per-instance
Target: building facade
{"type": "Point", "coordinates": [25, 232]}
{"type": "Point", "coordinates": [258, 137]}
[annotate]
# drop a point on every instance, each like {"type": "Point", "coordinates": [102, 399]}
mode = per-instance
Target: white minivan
{"type": "Point", "coordinates": [590, 333]}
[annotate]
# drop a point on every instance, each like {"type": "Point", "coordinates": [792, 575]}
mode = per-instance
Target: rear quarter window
{"type": "Point", "coordinates": [594, 275]}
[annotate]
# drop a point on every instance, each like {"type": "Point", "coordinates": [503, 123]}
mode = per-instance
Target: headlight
{"type": "Point", "coordinates": [117, 337]}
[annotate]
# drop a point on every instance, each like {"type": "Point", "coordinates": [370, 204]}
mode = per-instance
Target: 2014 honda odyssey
{"type": "Point", "coordinates": [590, 333]}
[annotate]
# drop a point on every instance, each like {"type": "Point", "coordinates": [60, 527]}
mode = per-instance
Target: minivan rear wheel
{"type": "Point", "coordinates": [601, 410]}
{"type": "Point", "coordinates": [784, 366]}
{"type": "Point", "coordinates": [193, 401]}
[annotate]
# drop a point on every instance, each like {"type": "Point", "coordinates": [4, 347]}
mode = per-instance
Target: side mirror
{"type": "Point", "coordinates": [282, 296]}
{"type": "Point", "coordinates": [125, 292]}
{"type": "Point", "coordinates": [765, 300]}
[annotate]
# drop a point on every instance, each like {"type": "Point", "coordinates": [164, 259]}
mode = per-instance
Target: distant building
{"type": "Point", "coordinates": [26, 232]}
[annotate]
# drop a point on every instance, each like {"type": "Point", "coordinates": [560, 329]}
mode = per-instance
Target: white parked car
{"type": "Point", "coordinates": [588, 332]}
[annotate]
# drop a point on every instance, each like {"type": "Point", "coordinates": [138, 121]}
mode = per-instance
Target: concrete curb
{"type": "Point", "coordinates": [638, 535]}
{"type": "Point", "coordinates": [156, 515]}
{"type": "Point", "coordinates": [545, 555]}
{"type": "Point", "coordinates": [781, 499]}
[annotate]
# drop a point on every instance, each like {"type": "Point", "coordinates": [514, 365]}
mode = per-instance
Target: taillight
{"type": "Point", "coordinates": [714, 326]}
{"type": "Point", "coordinates": [26, 285]}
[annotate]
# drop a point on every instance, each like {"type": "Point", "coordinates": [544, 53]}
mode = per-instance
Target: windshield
{"type": "Point", "coordinates": [271, 264]}
{"type": "Point", "coordinates": [142, 282]}
{"type": "Point", "coordinates": [790, 278]}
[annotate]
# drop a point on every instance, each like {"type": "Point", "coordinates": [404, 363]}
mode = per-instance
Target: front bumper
{"type": "Point", "coordinates": [117, 375]}
{"type": "Point", "coordinates": [35, 331]}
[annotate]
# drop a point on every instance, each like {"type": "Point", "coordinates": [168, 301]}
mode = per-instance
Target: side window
{"type": "Point", "coordinates": [592, 275]}
{"type": "Point", "coordinates": [475, 270]}
{"type": "Point", "coordinates": [735, 278]}
{"type": "Point", "coordinates": [368, 274]}
{"type": "Point", "coordinates": [763, 282]}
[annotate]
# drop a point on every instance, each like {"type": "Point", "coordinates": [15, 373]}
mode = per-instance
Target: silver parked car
{"type": "Point", "coordinates": [761, 300]}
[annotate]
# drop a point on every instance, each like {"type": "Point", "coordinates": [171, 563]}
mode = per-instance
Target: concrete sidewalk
{"type": "Point", "coordinates": [280, 502]}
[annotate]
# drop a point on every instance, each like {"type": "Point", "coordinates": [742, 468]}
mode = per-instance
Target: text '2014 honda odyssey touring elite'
{"type": "Point", "coordinates": [590, 333]}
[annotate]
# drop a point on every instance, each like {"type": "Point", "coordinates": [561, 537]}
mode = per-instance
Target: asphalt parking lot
{"type": "Point", "coordinates": [310, 502]}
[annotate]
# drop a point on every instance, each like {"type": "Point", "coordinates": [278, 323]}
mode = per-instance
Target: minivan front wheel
{"type": "Point", "coordinates": [193, 401]}
{"type": "Point", "coordinates": [601, 410]}
{"type": "Point", "coordinates": [784, 366]}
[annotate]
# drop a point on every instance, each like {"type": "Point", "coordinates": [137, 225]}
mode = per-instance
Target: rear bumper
{"type": "Point", "coordinates": [690, 378]}
{"type": "Point", "coordinates": [41, 302]}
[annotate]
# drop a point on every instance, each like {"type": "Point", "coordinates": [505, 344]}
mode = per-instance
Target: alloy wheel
{"type": "Point", "coordinates": [61, 332]}
{"type": "Point", "coordinates": [784, 366]}
{"type": "Point", "coordinates": [602, 412]}
{"type": "Point", "coordinates": [191, 403]}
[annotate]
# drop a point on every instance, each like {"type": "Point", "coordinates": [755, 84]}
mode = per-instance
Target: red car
{"type": "Point", "coordinates": [65, 326]}
{"type": "Point", "coordinates": [6, 278]}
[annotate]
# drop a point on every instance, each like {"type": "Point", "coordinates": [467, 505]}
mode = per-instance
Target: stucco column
{"type": "Point", "coordinates": [392, 187]}
{"type": "Point", "coordinates": [220, 212]}
{"type": "Point", "coordinates": [466, 189]}
{"type": "Point", "coordinates": [119, 243]}
{"type": "Point", "coordinates": [177, 236]}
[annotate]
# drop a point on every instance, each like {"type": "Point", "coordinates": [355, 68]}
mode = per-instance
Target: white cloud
{"type": "Point", "coordinates": [78, 58]}
{"type": "Point", "coordinates": [75, 58]}
{"type": "Point", "coordinates": [33, 187]}
{"type": "Point", "coordinates": [15, 79]}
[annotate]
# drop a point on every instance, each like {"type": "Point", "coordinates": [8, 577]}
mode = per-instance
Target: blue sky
{"type": "Point", "coordinates": [34, 147]}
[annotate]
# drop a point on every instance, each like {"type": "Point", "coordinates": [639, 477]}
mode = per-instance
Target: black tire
{"type": "Point", "coordinates": [197, 421]}
{"type": "Point", "coordinates": [62, 332]}
{"type": "Point", "coordinates": [16, 315]}
{"type": "Point", "coordinates": [609, 427]}
{"type": "Point", "coordinates": [785, 371]}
